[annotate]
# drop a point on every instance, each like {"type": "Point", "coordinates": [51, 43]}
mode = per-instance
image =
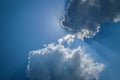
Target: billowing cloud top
{"type": "Point", "coordinates": [57, 62]}
{"type": "Point", "coordinates": [84, 17]}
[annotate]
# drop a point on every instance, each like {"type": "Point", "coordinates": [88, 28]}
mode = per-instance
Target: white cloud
{"type": "Point", "coordinates": [116, 19]}
{"type": "Point", "coordinates": [57, 62]}
{"type": "Point", "coordinates": [85, 33]}
{"type": "Point", "coordinates": [67, 38]}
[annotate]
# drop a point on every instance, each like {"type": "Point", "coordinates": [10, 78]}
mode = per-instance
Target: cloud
{"type": "Point", "coordinates": [87, 15]}
{"type": "Point", "coordinates": [57, 62]}
{"type": "Point", "coordinates": [67, 38]}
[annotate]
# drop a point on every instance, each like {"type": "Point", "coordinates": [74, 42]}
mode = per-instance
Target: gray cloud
{"type": "Point", "coordinates": [57, 62]}
{"type": "Point", "coordinates": [88, 15]}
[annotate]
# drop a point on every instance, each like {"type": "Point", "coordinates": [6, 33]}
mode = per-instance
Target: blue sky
{"type": "Point", "coordinates": [107, 44]}
{"type": "Point", "coordinates": [28, 25]}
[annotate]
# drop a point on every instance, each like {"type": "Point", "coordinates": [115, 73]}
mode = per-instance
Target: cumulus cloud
{"type": "Point", "coordinates": [88, 15]}
{"type": "Point", "coordinates": [57, 62]}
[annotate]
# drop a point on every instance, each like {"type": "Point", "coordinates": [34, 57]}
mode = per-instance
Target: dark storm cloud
{"type": "Point", "coordinates": [57, 62]}
{"type": "Point", "coordinates": [86, 16]}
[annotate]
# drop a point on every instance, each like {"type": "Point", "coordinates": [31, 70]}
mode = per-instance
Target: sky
{"type": "Point", "coordinates": [28, 25]}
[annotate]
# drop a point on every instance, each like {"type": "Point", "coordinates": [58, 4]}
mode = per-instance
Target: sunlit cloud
{"type": "Point", "coordinates": [57, 62]}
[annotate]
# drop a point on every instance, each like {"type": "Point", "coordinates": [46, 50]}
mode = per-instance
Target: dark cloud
{"type": "Point", "coordinates": [89, 15]}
